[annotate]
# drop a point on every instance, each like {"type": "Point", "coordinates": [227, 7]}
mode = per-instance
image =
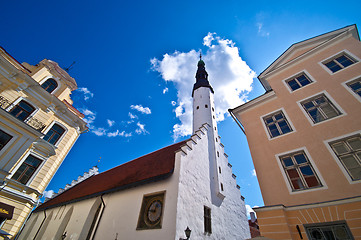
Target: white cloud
{"type": "Point", "coordinates": [249, 209]}
{"type": "Point", "coordinates": [89, 116]}
{"type": "Point", "coordinates": [118, 133]}
{"type": "Point", "coordinates": [253, 172]}
{"type": "Point", "coordinates": [140, 108]}
{"type": "Point", "coordinates": [132, 116]}
{"type": "Point", "coordinates": [113, 134]}
{"type": "Point", "coordinates": [110, 122]}
{"type": "Point", "coordinates": [48, 194]}
{"type": "Point", "coordinates": [207, 40]}
{"type": "Point", "coordinates": [261, 31]}
{"type": "Point", "coordinates": [174, 103]}
{"type": "Point", "coordinates": [87, 94]}
{"type": "Point", "coordinates": [229, 75]}
{"type": "Point", "coordinates": [165, 90]}
{"type": "Point", "coordinates": [99, 131]}
{"type": "Point", "coordinates": [141, 129]}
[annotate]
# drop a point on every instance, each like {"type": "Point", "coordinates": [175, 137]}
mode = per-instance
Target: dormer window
{"type": "Point", "coordinates": [22, 110]}
{"type": "Point", "coordinates": [49, 85]}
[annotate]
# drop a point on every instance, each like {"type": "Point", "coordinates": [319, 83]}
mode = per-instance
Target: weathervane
{"type": "Point", "coordinates": [70, 67]}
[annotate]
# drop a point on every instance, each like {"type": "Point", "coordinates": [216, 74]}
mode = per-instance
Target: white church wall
{"type": "Point", "coordinates": [50, 225]}
{"type": "Point", "coordinates": [122, 210]}
{"type": "Point", "coordinates": [229, 220]}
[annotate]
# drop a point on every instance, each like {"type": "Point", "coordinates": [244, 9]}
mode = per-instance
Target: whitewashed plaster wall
{"type": "Point", "coordinates": [122, 210]}
{"type": "Point", "coordinates": [71, 218]}
{"type": "Point", "coordinates": [187, 191]}
{"type": "Point", "coordinates": [229, 219]}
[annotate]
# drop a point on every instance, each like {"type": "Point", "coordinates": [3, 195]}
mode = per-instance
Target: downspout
{"type": "Point", "coordinates": [40, 225]}
{"type": "Point", "coordinates": [101, 214]}
{"type": "Point", "coordinates": [237, 121]}
{"type": "Point", "coordinates": [27, 218]}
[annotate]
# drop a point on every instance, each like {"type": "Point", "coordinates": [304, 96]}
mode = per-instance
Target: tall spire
{"type": "Point", "coordinates": [201, 76]}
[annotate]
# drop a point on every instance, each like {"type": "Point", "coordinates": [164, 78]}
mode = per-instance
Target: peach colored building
{"type": "Point", "coordinates": [304, 138]}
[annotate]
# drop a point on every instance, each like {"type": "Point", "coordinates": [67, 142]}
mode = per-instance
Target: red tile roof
{"type": "Point", "coordinates": [154, 166]}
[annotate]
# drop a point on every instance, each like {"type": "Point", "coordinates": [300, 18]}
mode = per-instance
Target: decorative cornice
{"type": "Point", "coordinates": [310, 205]}
{"type": "Point", "coordinates": [254, 102]}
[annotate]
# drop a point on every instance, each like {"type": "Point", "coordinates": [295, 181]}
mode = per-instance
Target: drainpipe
{"type": "Point", "coordinates": [27, 218]}
{"type": "Point", "coordinates": [40, 225]}
{"type": "Point", "coordinates": [101, 214]}
{"type": "Point", "coordinates": [237, 121]}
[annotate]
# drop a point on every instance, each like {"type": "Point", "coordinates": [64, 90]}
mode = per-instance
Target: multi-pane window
{"type": "Point", "coordinates": [298, 82]}
{"type": "Point", "coordinates": [27, 169]}
{"type": "Point", "coordinates": [277, 124]}
{"type": "Point", "coordinates": [207, 220]}
{"type": "Point", "coordinates": [49, 85]}
{"type": "Point", "coordinates": [22, 110]}
{"type": "Point", "coordinates": [299, 171]}
{"type": "Point", "coordinates": [348, 152]}
{"type": "Point", "coordinates": [355, 86]}
{"type": "Point", "coordinates": [54, 134]}
{"type": "Point", "coordinates": [339, 63]}
{"type": "Point", "coordinates": [4, 139]}
{"type": "Point", "coordinates": [320, 108]}
{"type": "Point", "coordinates": [329, 231]}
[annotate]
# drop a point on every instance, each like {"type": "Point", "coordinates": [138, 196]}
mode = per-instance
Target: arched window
{"type": "Point", "coordinates": [22, 110]}
{"type": "Point", "coordinates": [54, 134]}
{"type": "Point", "coordinates": [49, 85]}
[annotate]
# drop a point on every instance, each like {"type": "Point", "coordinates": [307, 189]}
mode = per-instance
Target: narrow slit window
{"type": "Point", "coordinates": [207, 220]}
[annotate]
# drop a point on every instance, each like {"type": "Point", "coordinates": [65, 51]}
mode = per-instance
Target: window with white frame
{"type": "Point", "coordinates": [277, 124]}
{"type": "Point", "coordinates": [54, 134]}
{"type": "Point", "coordinates": [49, 85]}
{"type": "Point", "coordinates": [4, 139]}
{"type": "Point", "coordinates": [298, 82]}
{"type": "Point", "coordinates": [339, 62]}
{"type": "Point", "coordinates": [348, 151]}
{"type": "Point", "coordinates": [27, 169]}
{"type": "Point", "coordinates": [299, 171]}
{"type": "Point", "coordinates": [320, 108]}
{"type": "Point", "coordinates": [328, 231]}
{"type": "Point", "coordinates": [355, 86]}
{"type": "Point", "coordinates": [22, 110]}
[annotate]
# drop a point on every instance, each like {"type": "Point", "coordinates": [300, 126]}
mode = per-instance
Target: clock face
{"type": "Point", "coordinates": [153, 211]}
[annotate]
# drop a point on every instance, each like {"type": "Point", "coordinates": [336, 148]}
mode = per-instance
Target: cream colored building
{"type": "Point", "coordinates": [304, 137]}
{"type": "Point", "coordinates": [38, 127]}
{"type": "Point", "coordinates": [187, 185]}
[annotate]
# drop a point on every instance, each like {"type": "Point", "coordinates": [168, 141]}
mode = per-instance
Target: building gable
{"type": "Point", "coordinates": [300, 49]}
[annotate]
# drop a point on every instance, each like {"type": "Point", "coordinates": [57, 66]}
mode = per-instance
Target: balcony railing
{"type": "Point", "coordinates": [33, 122]}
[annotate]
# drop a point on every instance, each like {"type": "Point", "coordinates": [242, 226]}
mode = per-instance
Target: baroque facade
{"type": "Point", "coordinates": [38, 127]}
{"type": "Point", "coordinates": [304, 135]}
{"type": "Point", "coordinates": [186, 186]}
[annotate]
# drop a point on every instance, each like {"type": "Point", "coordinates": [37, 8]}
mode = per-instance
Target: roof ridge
{"type": "Point", "coordinates": [154, 166]}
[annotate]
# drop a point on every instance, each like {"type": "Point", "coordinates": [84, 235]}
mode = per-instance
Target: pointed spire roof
{"type": "Point", "coordinates": [201, 76]}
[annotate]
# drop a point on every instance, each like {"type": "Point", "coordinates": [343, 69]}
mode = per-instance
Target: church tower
{"type": "Point", "coordinates": [204, 113]}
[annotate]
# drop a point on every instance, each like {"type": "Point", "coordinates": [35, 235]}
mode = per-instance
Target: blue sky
{"type": "Point", "coordinates": [136, 62]}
